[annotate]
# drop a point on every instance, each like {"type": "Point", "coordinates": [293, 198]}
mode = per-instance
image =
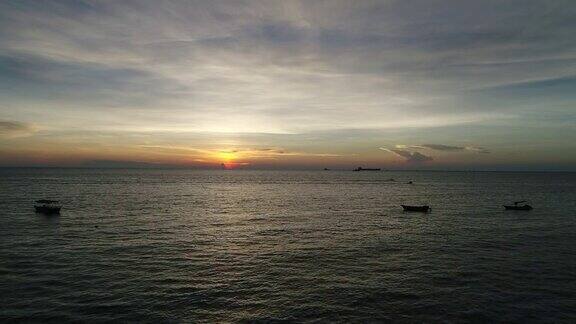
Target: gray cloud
{"type": "Point", "coordinates": [439, 147]}
{"type": "Point", "coordinates": [478, 149]}
{"type": "Point", "coordinates": [409, 156]}
{"type": "Point", "coordinates": [123, 164]}
{"type": "Point", "coordinates": [206, 63]}
{"type": "Point", "coordinates": [10, 129]}
{"type": "Point", "coordinates": [282, 74]}
{"type": "Point", "coordinates": [448, 148]}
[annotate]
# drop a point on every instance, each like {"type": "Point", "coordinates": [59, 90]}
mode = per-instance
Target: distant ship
{"type": "Point", "coordinates": [366, 169]}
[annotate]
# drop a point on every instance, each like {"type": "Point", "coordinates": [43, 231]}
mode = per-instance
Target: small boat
{"type": "Point", "coordinates": [518, 205]}
{"type": "Point", "coordinates": [48, 207]}
{"type": "Point", "coordinates": [366, 169]}
{"type": "Point", "coordinates": [421, 209]}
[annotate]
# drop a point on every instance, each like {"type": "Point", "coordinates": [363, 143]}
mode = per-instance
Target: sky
{"type": "Point", "coordinates": [439, 85]}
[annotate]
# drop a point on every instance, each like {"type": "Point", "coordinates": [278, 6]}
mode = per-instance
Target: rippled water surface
{"type": "Point", "coordinates": [229, 246]}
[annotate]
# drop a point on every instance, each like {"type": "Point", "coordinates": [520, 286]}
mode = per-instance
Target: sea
{"type": "Point", "coordinates": [229, 246]}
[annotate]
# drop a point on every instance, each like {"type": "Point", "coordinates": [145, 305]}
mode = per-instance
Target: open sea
{"type": "Point", "coordinates": [286, 246]}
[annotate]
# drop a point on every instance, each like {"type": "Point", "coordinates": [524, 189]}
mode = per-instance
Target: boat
{"type": "Point", "coordinates": [518, 205]}
{"type": "Point", "coordinates": [48, 207]}
{"type": "Point", "coordinates": [421, 209]}
{"type": "Point", "coordinates": [366, 169]}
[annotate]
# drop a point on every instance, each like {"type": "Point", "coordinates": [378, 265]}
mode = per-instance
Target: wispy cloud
{"type": "Point", "coordinates": [9, 129]}
{"type": "Point", "coordinates": [242, 152]}
{"type": "Point", "coordinates": [477, 149]}
{"type": "Point", "coordinates": [283, 67]}
{"type": "Point", "coordinates": [445, 148]}
{"type": "Point", "coordinates": [409, 156]}
{"type": "Point", "coordinates": [269, 77]}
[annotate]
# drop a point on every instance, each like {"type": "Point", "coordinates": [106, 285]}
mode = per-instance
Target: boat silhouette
{"type": "Point", "coordinates": [421, 209]}
{"type": "Point", "coordinates": [366, 169]}
{"type": "Point", "coordinates": [518, 205]}
{"type": "Point", "coordinates": [48, 207]}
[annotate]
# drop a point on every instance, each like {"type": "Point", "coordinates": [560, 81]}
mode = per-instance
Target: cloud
{"type": "Point", "coordinates": [440, 147]}
{"type": "Point", "coordinates": [241, 152]}
{"type": "Point", "coordinates": [283, 67]}
{"type": "Point", "coordinates": [409, 156]}
{"type": "Point", "coordinates": [123, 164]}
{"type": "Point", "coordinates": [446, 148]}
{"type": "Point", "coordinates": [272, 152]}
{"type": "Point", "coordinates": [281, 74]}
{"type": "Point", "coordinates": [9, 129]}
{"type": "Point", "coordinates": [477, 149]}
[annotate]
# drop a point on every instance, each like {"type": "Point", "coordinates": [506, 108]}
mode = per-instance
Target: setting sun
{"type": "Point", "coordinates": [226, 156]}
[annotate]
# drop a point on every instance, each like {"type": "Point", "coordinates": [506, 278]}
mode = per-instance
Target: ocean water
{"type": "Point", "coordinates": [270, 246]}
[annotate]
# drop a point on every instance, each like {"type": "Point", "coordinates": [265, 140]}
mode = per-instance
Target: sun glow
{"type": "Point", "coordinates": [226, 156]}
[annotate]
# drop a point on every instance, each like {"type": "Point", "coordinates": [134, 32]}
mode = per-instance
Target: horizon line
{"type": "Point", "coordinates": [279, 169]}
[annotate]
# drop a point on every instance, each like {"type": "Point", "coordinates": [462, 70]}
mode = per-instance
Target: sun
{"type": "Point", "coordinates": [226, 156]}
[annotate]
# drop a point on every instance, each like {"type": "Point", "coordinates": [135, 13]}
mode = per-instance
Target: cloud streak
{"type": "Point", "coordinates": [253, 153]}
{"type": "Point", "coordinates": [409, 156]}
{"type": "Point", "coordinates": [11, 129]}
{"type": "Point", "coordinates": [446, 148]}
{"type": "Point", "coordinates": [285, 76]}
{"type": "Point", "coordinates": [283, 67]}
